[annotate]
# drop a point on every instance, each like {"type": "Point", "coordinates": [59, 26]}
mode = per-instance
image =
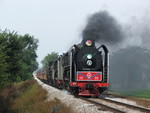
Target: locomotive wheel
{"type": "Point", "coordinates": [75, 92]}
{"type": "Point", "coordinates": [94, 96]}
{"type": "Point", "coordinates": [76, 95]}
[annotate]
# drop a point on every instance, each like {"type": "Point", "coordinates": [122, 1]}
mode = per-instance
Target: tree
{"type": "Point", "coordinates": [47, 59]}
{"type": "Point", "coordinates": [28, 57]}
{"type": "Point", "coordinates": [17, 56]}
{"type": "Point", "coordinates": [130, 68]}
{"type": "Point", "coordinates": [3, 63]}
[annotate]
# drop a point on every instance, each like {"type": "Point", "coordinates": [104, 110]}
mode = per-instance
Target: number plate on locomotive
{"type": "Point", "coordinates": [89, 76]}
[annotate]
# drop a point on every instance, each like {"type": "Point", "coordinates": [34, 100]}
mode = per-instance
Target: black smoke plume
{"type": "Point", "coordinates": [102, 27]}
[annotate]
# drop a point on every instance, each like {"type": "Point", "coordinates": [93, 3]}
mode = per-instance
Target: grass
{"type": "Point", "coordinates": [135, 93]}
{"type": "Point", "coordinates": [29, 97]}
{"type": "Point", "coordinates": [141, 101]}
{"type": "Point", "coordinates": [141, 97]}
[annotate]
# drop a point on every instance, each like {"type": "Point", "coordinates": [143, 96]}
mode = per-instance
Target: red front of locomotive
{"type": "Point", "coordinates": [90, 76]}
{"type": "Point", "coordinates": [89, 83]}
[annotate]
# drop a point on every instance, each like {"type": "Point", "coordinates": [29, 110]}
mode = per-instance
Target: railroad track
{"type": "Point", "coordinates": [112, 109]}
{"type": "Point", "coordinates": [142, 109]}
{"type": "Point", "coordinates": [115, 109]}
{"type": "Point", "coordinates": [103, 107]}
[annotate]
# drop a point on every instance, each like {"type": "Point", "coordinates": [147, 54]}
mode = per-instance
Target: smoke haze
{"type": "Point", "coordinates": [129, 64]}
{"type": "Point", "coordinates": [102, 27]}
{"type": "Point", "coordinates": [137, 31]}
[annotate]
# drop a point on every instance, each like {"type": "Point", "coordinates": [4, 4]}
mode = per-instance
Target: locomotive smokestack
{"type": "Point", "coordinates": [103, 27]}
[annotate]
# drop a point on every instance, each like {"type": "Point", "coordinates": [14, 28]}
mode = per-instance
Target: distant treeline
{"type": "Point", "coordinates": [130, 68]}
{"type": "Point", "coordinates": [17, 57]}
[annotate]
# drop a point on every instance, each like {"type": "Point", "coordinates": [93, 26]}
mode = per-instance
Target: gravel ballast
{"type": "Point", "coordinates": [78, 105]}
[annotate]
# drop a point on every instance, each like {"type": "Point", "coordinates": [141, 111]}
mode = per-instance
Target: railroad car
{"type": "Point", "coordinates": [42, 76]}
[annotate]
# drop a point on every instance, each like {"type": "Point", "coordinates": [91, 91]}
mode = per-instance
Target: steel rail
{"type": "Point", "coordinates": [142, 109]}
{"type": "Point", "coordinates": [104, 107]}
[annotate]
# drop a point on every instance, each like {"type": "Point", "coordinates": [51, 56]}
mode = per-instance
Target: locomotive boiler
{"type": "Point", "coordinates": [83, 70]}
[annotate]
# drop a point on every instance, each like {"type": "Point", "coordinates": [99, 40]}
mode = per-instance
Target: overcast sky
{"type": "Point", "coordinates": [58, 24]}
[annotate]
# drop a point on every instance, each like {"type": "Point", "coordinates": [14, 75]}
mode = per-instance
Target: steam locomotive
{"type": "Point", "coordinates": [83, 70]}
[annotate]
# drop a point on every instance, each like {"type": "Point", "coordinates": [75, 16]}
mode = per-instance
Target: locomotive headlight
{"type": "Point", "coordinates": [89, 56]}
{"type": "Point", "coordinates": [89, 62]}
{"type": "Point", "coordinates": [88, 43]}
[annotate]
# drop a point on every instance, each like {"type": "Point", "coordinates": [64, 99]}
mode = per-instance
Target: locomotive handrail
{"type": "Point", "coordinates": [104, 47]}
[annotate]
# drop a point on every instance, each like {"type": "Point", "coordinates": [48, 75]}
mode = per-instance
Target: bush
{"type": "Point", "coordinates": [29, 97]}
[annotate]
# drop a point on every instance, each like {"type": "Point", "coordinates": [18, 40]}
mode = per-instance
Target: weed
{"type": "Point", "coordinates": [29, 97]}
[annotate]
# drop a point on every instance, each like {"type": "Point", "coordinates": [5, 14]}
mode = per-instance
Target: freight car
{"type": "Point", "coordinates": [42, 76]}
{"type": "Point", "coordinates": [83, 70]}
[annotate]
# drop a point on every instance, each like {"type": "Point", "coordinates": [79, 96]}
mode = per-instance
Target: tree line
{"type": "Point", "coordinates": [129, 68]}
{"type": "Point", "coordinates": [17, 57]}
{"type": "Point", "coordinates": [49, 58]}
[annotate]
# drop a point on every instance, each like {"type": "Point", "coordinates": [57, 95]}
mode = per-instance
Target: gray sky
{"type": "Point", "coordinates": [58, 24]}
